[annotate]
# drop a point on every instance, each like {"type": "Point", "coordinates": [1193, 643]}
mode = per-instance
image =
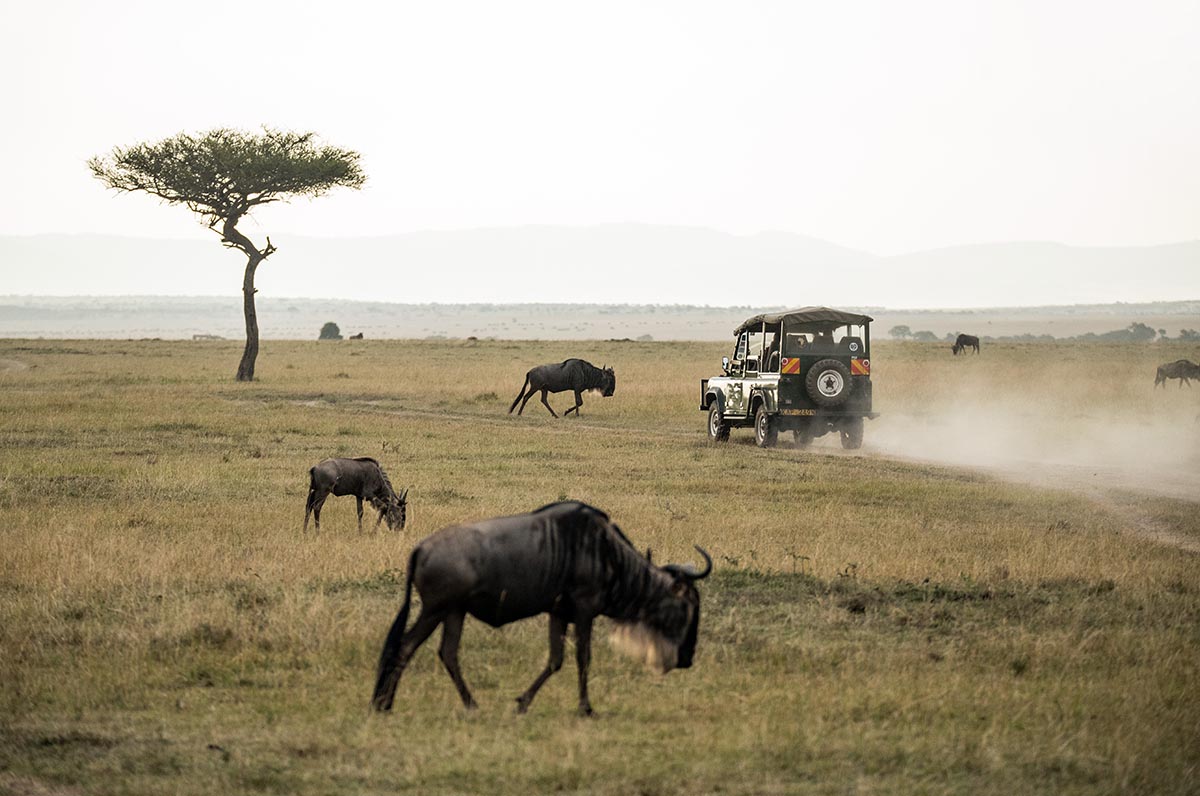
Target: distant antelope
{"type": "Point", "coordinates": [1181, 369]}
{"type": "Point", "coordinates": [362, 477]}
{"type": "Point", "coordinates": [576, 375]}
{"type": "Point", "coordinates": [964, 342]}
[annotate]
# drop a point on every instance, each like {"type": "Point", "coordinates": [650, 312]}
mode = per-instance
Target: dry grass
{"type": "Point", "coordinates": [888, 624]}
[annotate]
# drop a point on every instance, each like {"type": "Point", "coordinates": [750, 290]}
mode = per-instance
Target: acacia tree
{"type": "Point", "coordinates": [224, 174]}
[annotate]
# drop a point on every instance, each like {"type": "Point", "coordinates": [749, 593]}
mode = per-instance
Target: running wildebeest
{"type": "Point", "coordinates": [567, 560]}
{"type": "Point", "coordinates": [570, 374]}
{"type": "Point", "coordinates": [362, 477]}
{"type": "Point", "coordinates": [1182, 369]}
{"type": "Point", "coordinates": [964, 342]}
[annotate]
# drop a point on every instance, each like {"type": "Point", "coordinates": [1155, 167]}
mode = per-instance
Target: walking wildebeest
{"type": "Point", "coordinates": [570, 374]}
{"type": "Point", "coordinates": [964, 342]}
{"type": "Point", "coordinates": [567, 560]}
{"type": "Point", "coordinates": [1182, 369]}
{"type": "Point", "coordinates": [362, 477]}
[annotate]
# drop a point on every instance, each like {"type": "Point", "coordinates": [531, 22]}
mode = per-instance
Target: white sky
{"type": "Point", "coordinates": [883, 126]}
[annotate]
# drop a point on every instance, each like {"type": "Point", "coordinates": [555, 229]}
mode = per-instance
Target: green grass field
{"type": "Point", "coordinates": [880, 621]}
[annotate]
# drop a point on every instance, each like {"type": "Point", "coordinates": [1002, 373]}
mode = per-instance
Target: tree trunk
{"type": "Point", "coordinates": [245, 371]}
{"type": "Point", "coordinates": [237, 240]}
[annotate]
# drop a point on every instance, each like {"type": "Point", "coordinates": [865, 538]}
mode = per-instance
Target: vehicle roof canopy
{"type": "Point", "coordinates": [815, 315]}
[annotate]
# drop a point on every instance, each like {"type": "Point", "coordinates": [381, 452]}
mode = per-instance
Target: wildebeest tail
{"type": "Point", "coordinates": [389, 675]}
{"type": "Point", "coordinates": [520, 395]}
{"type": "Point", "coordinates": [312, 485]}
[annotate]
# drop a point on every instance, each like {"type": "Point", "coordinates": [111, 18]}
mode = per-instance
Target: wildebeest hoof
{"type": "Point", "coordinates": [585, 711]}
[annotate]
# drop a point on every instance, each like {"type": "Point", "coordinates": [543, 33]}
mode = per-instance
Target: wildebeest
{"type": "Point", "coordinates": [964, 342]}
{"type": "Point", "coordinates": [358, 336]}
{"type": "Point", "coordinates": [362, 477]}
{"type": "Point", "coordinates": [567, 560]}
{"type": "Point", "coordinates": [570, 374]}
{"type": "Point", "coordinates": [1182, 369]}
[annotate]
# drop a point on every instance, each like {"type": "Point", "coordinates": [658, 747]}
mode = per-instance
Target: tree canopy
{"type": "Point", "coordinates": [222, 175]}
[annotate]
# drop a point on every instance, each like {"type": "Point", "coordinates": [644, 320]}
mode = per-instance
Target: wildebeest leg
{"type": "Point", "coordinates": [308, 507]}
{"type": "Point", "coordinates": [359, 499]}
{"type": "Point", "coordinates": [397, 655]}
{"type": "Point", "coordinates": [521, 393]}
{"type": "Point", "coordinates": [528, 395]}
{"type": "Point", "coordinates": [546, 403]}
{"type": "Point", "coordinates": [448, 652]}
{"type": "Point", "coordinates": [583, 659]}
{"type": "Point", "coordinates": [558, 630]}
{"type": "Point", "coordinates": [317, 503]}
{"type": "Point", "coordinates": [578, 403]}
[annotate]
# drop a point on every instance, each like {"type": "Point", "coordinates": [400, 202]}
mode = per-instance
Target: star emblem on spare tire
{"type": "Point", "coordinates": [830, 383]}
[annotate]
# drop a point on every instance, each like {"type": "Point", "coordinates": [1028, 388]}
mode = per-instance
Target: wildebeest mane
{"type": "Point", "coordinates": [614, 549]}
{"type": "Point", "coordinates": [382, 472]}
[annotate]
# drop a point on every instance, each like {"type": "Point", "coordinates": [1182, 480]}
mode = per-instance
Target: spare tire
{"type": "Point", "coordinates": [828, 383]}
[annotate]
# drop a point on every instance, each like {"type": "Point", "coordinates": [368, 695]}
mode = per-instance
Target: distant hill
{"type": "Point", "coordinates": [612, 264]}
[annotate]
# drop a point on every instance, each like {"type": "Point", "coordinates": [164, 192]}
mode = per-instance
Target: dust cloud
{"type": "Point", "coordinates": [1094, 442]}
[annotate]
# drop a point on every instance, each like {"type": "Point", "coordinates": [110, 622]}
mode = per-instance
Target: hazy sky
{"type": "Point", "coordinates": [884, 126]}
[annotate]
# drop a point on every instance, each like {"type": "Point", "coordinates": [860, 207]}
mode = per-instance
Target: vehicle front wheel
{"type": "Point", "coordinates": [766, 433]}
{"type": "Point", "coordinates": [852, 433]}
{"type": "Point", "coordinates": [718, 429]}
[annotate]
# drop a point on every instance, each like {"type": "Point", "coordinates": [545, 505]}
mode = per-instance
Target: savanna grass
{"type": "Point", "coordinates": [882, 624]}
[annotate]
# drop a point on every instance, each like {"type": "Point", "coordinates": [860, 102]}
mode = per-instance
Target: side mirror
{"type": "Point", "coordinates": [725, 365]}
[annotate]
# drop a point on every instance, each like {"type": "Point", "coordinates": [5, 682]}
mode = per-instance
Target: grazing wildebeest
{"type": "Point", "coordinates": [570, 374]}
{"type": "Point", "coordinates": [964, 342]}
{"type": "Point", "coordinates": [567, 560]}
{"type": "Point", "coordinates": [1182, 369]}
{"type": "Point", "coordinates": [362, 477]}
{"type": "Point", "coordinates": [356, 336]}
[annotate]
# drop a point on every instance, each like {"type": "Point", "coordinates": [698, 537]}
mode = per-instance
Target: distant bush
{"type": "Point", "coordinates": [330, 331]}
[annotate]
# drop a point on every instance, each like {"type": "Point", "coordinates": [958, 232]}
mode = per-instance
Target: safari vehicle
{"type": "Point", "coordinates": [806, 370]}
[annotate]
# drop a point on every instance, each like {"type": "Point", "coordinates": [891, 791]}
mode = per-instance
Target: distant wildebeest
{"type": "Point", "coordinates": [964, 342]}
{"type": "Point", "coordinates": [570, 374]}
{"type": "Point", "coordinates": [362, 477]}
{"type": "Point", "coordinates": [1182, 369]}
{"type": "Point", "coordinates": [567, 560]}
{"type": "Point", "coordinates": [356, 336]}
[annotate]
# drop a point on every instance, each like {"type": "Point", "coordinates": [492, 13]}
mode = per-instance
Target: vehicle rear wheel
{"type": "Point", "coordinates": [852, 433]}
{"type": "Point", "coordinates": [828, 383]}
{"type": "Point", "coordinates": [718, 429]}
{"type": "Point", "coordinates": [766, 433]}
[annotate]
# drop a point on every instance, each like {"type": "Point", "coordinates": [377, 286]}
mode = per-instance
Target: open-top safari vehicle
{"type": "Point", "coordinates": [806, 370]}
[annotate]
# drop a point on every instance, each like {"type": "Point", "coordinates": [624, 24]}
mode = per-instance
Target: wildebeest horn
{"type": "Point", "coordinates": [404, 495]}
{"type": "Point", "coordinates": [688, 571]}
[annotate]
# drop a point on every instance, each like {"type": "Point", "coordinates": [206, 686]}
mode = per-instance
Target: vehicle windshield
{"type": "Point", "coordinates": [758, 350]}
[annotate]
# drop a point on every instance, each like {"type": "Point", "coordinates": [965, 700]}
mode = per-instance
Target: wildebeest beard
{"type": "Point", "coordinates": [643, 643]}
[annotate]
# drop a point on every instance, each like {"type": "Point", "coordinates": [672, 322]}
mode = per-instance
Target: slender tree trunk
{"type": "Point", "coordinates": [245, 371]}
{"type": "Point", "coordinates": [237, 240]}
